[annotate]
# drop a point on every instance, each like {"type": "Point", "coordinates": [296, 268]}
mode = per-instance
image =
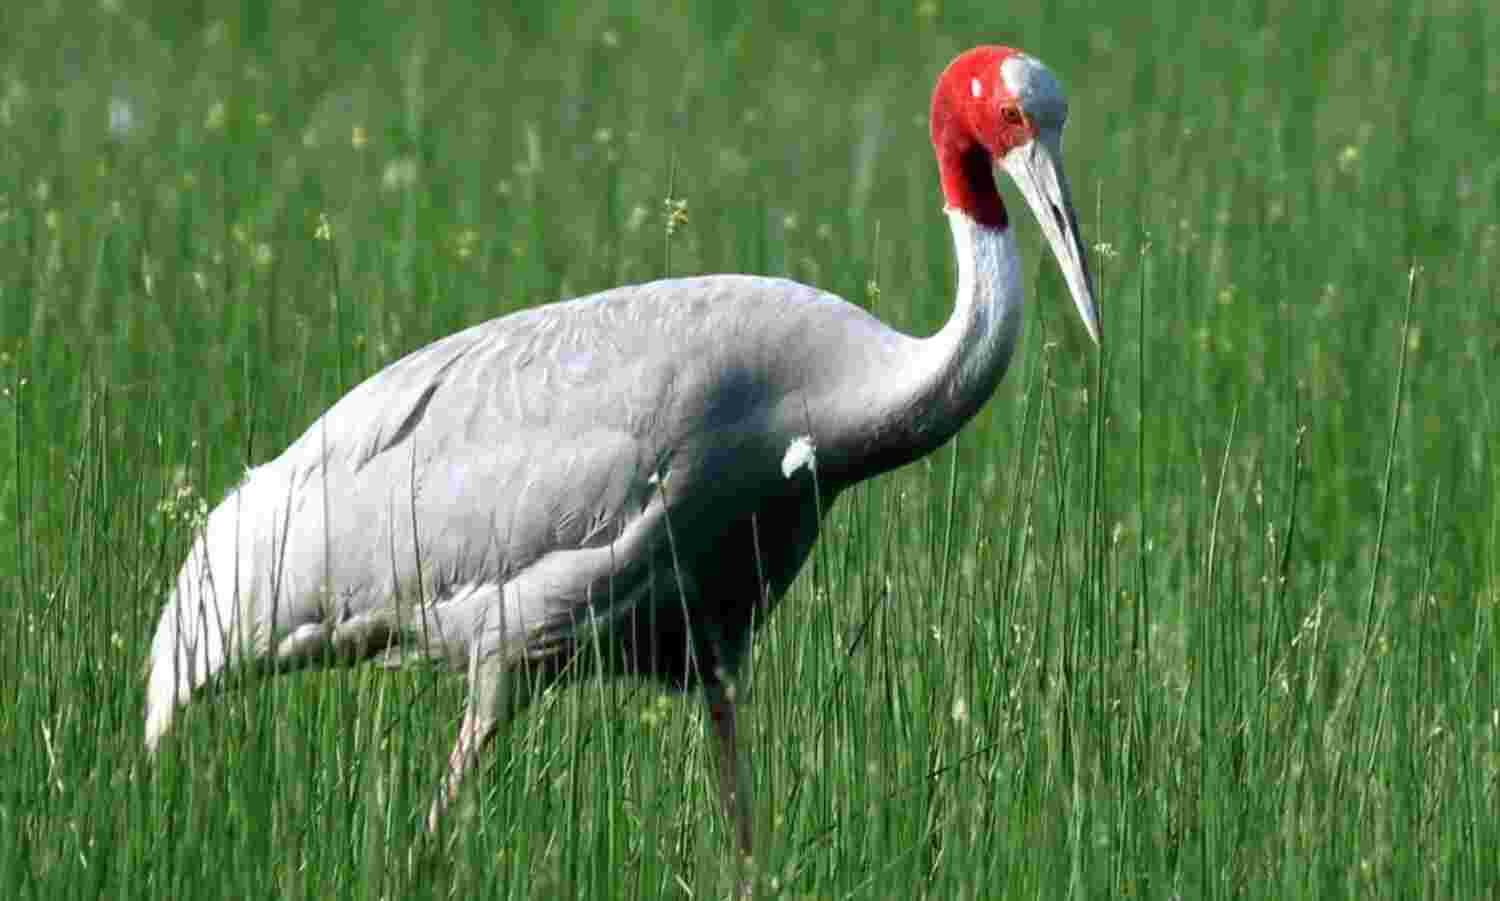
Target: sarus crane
{"type": "Point", "coordinates": [620, 483]}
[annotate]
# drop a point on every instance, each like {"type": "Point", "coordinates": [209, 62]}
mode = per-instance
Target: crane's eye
{"type": "Point", "coordinates": [1011, 115]}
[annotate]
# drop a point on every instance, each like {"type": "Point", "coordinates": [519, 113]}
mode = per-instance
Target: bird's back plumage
{"type": "Point", "coordinates": [501, 486]}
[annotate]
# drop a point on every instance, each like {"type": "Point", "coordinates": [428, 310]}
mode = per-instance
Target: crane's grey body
{"type": "Point", "coordinates": [646, 467]}
{"type": "Point", "coordinates": [614, 460]}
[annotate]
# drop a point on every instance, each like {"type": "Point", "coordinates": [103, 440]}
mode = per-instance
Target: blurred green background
{"type": "Point", "coordinates": [1207, 621]}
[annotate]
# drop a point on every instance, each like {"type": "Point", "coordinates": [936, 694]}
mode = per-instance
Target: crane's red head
{"type": "Point", "coordinates": [993, 108]}
{"type": "Point", "coordinates": [989, 101]}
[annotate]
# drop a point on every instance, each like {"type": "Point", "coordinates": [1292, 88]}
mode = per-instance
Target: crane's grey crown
{"type": "Point", "coordinates": [1039, 91]}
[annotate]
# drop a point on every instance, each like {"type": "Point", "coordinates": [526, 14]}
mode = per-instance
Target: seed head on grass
{"type": "Point", "coordinates": [399, 174]}
{"type": "Point", "coordinates": [960, 711]}
{"type": "Point", "coordinates": [677, 214]}
{"type": "Point", "coordinates": [657, 712]}
{"type": "Point", "coordinates": [1349, 159]}
{"type": "Point", "coordinates": [637, 218]}
{"type": "Point", "coordinates": [676, 220]}
{"type": "Point", "coordinates": [183, 505]}
{"type": "Point", "coordinates": [465, 242]}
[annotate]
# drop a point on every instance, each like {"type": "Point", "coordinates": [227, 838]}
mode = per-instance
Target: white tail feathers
{"type": "Point", "coordinates": [190, 642]}
{"type": "Point", "coordinates": [210, 620]}
{"type": "Point", "coordinates": [255, 588]}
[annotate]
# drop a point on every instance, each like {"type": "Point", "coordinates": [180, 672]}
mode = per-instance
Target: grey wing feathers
{"type": "Point", "coordinates": [504, 464]}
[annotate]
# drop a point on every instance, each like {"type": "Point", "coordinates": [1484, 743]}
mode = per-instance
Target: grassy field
{"type": "Point", "coordinates": [1214, 614]}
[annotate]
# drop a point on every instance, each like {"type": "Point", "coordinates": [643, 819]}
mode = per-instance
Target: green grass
{"type": "Point", "coordinates": [1216, 619]}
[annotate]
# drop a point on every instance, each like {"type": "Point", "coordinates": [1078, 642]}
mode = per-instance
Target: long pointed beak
{"type": "Point", "coordinates": [1036, 168]}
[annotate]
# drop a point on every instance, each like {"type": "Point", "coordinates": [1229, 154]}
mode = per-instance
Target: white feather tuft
{"type": "Point", "coordinates": [800, 454]}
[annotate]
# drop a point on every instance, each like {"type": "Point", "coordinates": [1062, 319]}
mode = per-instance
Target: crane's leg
{"type": "Point", "coordinates": [490, 703]}
{"type": "Point", "coordinates": [734, 795]}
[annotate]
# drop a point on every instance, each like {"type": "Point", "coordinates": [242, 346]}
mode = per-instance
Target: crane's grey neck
{"type": "Point", "coordinates": [945, 379]}
{"type": "Point", "coordinates": [965, 360]}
